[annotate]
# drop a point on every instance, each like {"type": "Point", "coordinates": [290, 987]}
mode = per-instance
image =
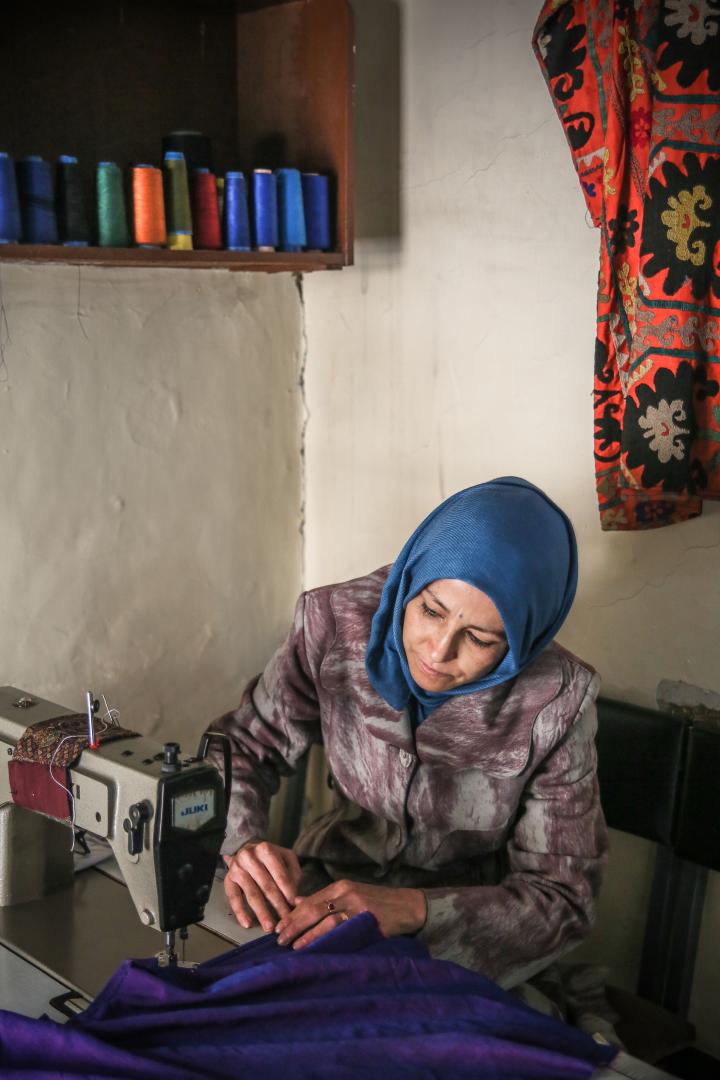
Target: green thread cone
{"type": "Point", "coordinates": [111, 212]}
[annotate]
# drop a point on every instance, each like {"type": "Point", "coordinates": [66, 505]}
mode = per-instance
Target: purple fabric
{"type": "Point", "coordinates": [354, 1004]}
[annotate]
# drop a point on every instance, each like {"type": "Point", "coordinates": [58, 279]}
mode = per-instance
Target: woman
{"type": "Point", "coordinates": [459, 740]}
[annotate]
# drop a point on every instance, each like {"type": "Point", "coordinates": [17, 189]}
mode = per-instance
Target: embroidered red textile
{"type": "Point", "coordinates": [40, 768]}
{"type": "Point", "coordinates": [34, 787]}
{"type": "Point", "coordinates": [637, 88]}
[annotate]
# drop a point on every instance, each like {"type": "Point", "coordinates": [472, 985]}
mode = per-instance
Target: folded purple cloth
{"type": "Point", "coordinates": [353, 1004]}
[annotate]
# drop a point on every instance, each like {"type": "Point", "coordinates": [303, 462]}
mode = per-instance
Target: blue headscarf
{"type": "Point", "coordinates": [508, 539]}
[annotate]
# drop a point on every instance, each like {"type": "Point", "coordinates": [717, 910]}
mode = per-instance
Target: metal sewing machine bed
{"type": "Point", "coordinates": [161, 815]}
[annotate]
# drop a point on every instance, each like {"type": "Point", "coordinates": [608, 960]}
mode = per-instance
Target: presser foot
{"type": "Point", "coordinates": [168, 957]}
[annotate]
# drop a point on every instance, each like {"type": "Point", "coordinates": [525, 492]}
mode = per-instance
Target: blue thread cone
{"type": "Point", "coordinates": [236, 224]}
{"type": "Point", "coordinates": [265, 214]}
{"type": "Point", "coordinates": [316, 198]}
{"type": "Point", "coordinates": [10, 226]}
{"type": "Point", "coordinates": [291, 214]}
{"type": "Point", "coordinates": [37, 201]}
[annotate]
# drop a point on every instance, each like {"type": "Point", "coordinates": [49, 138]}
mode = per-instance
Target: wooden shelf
{"type": "Point", "coordinates": [265, 261]}
{"type": "Point", "coordinates": [269, 81]}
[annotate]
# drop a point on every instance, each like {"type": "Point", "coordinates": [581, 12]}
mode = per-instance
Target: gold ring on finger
{"type": "Point", "coordinates": [344, 916]}
{"type": "Point", "coordinates": [330, 905]}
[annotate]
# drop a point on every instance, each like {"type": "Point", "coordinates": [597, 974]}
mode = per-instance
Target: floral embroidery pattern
{"type": "Point", "coordinates": [688, 33]}
{"type": "Point", "coordinates": [656, 162]}
{"type": "Point", "coordinates": [639, 373]}
{"type": "Point", "coordinates": [628, 289]}
{"type": "Point", "coordinates": [681, 226]}
{"type": "Point", "coordinates": [579, 127]}
{"type": "Point", "coordinates": [658, 81]}
{"type": "Point", "coordinates": [690, 124]}
{"type": "Point", "coordinates": [652, 185]}
{"type": "Point", "coordinates": [682, 221]}
{"type": "Point", "coordinates": [695, 18]}
{"type": "Point", "coordinates": [640, 126]}
{"type": "Point", "coordinates": [614, 518]}
{"type": "Point", "coordinates": [632, 63]}
{"type": "Point", "coordinates": [655, 513]}
{"type": "Point", "coordinates": [608, 174]}
{"type": "Point", "coordinates": [661, 426]}
{"type": "Point", "coordinates": [623, 229]}
{"type": "Point", "coordinates": [704, 386]}
{"type": "Point", "coordinates": [608, 431]}
{"type": "Point", "coordinates": [563, 52]}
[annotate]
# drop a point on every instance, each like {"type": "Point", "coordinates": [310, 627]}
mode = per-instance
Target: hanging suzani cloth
{"type": "Point", "coordinates": [637, 88]}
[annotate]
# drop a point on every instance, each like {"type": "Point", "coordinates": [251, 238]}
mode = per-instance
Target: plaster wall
{"type": "Point", "coordinates": [460, 347]}
{"type": "Point", "coordinates": [150, 543]}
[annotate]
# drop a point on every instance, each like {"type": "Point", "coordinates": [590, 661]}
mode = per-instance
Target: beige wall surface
{"type": "Point", "coordinates": [150, 541]}
{"type": "Point", "coordinates": [460, 347]}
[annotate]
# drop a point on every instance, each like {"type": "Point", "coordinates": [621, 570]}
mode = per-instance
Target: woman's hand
{"type": "Point", "coordinates": [261, 883]}
{"type": "Point", "coordinates": [398, 911]}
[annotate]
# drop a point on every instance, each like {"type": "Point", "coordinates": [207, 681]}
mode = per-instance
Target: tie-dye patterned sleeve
{"type": "Point", "coordinates": [275, 723]}
{"type": "Point", "coordinates": [555, 855]}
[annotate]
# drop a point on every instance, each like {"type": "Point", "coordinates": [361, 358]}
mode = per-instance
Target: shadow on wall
{"type": "Point", "coordinates": [377, 133]}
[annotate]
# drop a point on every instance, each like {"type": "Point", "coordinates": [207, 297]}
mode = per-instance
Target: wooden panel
{"type": "Point", "coordinates": [107, 81]}
{"type": "Point", "coordinates": [223, 5]}
{"type": "Point", "coordinates": [268, 261]}
{"type": "Point", "coordinates": [295, 94]}
{"type": "Point", "coordinates": [254, 5]}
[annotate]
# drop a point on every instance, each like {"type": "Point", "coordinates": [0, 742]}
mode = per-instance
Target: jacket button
{"type": "Point", "coordinates": [406, 759]}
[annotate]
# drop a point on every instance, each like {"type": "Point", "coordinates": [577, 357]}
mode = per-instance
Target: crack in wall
{"type": "Point", "coordinates": [304, 420]}
{"type": "Point", "coordinates": [80, 314]}
{"type": "Point", "coordinates": [656, 584]}
{"type": "Point", "coordinates": [4, 338]}
{"type": "Point", "coordinates": [475, 172]}
{"type": "Point", "coordinates": [506, 139]}
{"type": "Point", "coordinates": [493, 33]}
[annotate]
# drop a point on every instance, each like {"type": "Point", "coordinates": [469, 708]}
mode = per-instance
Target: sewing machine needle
{"type": "Point", "coordinates": [90, 706]}
{"type": "Point", "coordinates": [170, 947]}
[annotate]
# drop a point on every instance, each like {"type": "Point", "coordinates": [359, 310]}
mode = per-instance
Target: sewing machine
{"type": "Point", "coordinates": [163, 815]}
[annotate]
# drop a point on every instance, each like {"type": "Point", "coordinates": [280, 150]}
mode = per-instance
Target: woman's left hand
{"type": "Point", "coordinates": [398, 911]}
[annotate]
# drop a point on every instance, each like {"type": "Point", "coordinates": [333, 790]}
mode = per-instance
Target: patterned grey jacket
{"type": "Point", "coordinates": [491, 806]}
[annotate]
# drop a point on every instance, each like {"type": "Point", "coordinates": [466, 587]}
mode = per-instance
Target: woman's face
{"type": "Point", "coordinates": [452, 635]}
